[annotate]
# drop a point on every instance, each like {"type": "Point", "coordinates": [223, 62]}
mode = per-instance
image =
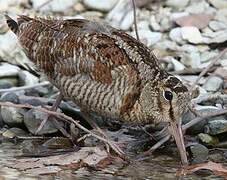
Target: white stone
{"type": "Point", "coordinates": [177, 3]}
{"type": "Point", "coordinates": [148, 37]}
{"type": "Point", "coordinates": [154, 24]}
{"type": "Point", "coordinates": [8, 70]}
{"type": "Point", "coordinates": [101, 5]}
{"type": "Point", "coordinates": [177, 65]}
{"type": "Point", "coordinates": [191, 34]}
{"type": "Point", "coordinates": [213, 83]}
{"type": "Point", "coordinates": [220, 4]}
{"type": "Point", "coordinates": [121, 16]}
{"type": "Point", "coordinates": [175, 35]}
{"type": "Point", "coordinates": [217, 25]}
{"type": "Point", "coordinates": [27, 79]}
{"type": "Point", "coordinates": [55, 6]}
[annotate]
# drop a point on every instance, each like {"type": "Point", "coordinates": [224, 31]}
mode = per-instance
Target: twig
{"type": "Point", "coordinates": [208, 67]}
{"type": "Point", "coordinates": [45, 83]}
{"type": "Point", "coordinates": [44, 4]}
{"type": "Point", "coordinates": [62, 117]}
{"type": "Point", "coordinates": [191, 71]}
{"type": "Point", "coordinates": [135, 22]}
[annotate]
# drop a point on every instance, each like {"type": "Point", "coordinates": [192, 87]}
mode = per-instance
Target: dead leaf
{"type": "Point", "coordinates": [216, 168]}
{"type": "Point", "coordinates": [198, 20]}
{"type": "Point", "coordinates": [86, 156]}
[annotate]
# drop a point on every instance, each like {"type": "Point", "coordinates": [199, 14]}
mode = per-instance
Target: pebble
{"type": "Point", "coordinates": [208, 139]}
{"type": "Point", "coordinates": [26, 78]}
{"type": "Point", "coordinates": [55, 6]}
{"type": "Point", "coordinates": [175, 35]}
{"type": "Point", "coordinates": [217, 25]}
{"type": "Point", "coordinates": [213, 83]}
{"type": "Point", "coordinates": [191, 34]}
{"type": "Point", "coordinates": [178, 66]}
{"type": "Point", "coordinates": [177, 3]}
{"type": "Point", "coordinates": [7, 70]}
{"type": "Point", "coordinates": [12, 116]}
{"type": "Point", "coordinates": [32, 120]}
{"type": "Point", "coordinates": [199, 153]}
{"type": "Point", "coordinates": [148, 37]}
{"type": "Point", "coordinates": [101, 5]}
{"type": "Point", "coordinates": [121, 16]}
{"type": "Point", "coordinates": [216, 127]}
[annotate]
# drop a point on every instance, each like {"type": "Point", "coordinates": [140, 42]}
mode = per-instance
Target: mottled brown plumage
{"type": "Point", "coordinates": [102, 69]}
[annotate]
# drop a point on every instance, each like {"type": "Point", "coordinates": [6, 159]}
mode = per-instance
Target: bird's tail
{"type": "Point", "coordinates": [13, 25]}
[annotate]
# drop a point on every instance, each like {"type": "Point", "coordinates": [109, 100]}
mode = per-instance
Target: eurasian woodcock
{"type": "Point", "coordinates": [104, 70]}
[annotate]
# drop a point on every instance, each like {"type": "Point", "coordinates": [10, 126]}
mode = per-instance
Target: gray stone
{"type": "Point", "coordinates": [101, 5]}
{"type": "Point", "coordinates": [216, 127]}
{"type": "Point", "coordinates": [199, 153]}
{"type": "Point", "coordinates": [10, 97]}
{"type": "Point", "coordinates": [33, 119]}
{"type": "Point", "coordinates": [213, 83]}
{"type": "Point", "coordinates": [27, 79]}
{"type": "Point", "coordinates": [12, 116]}
{"type": "Point", "coordinates": [5, 84]}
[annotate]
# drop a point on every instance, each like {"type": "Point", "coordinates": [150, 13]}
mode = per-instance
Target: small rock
{"type": "Point", "coordinates": [207, 56]}
{"type": "Point", "coordinates": [121, 16]}
{"type": "Point", "coordinates": [219, 4]}
{"type": "Point", "coordinates": [199, 153]}
{"type": "Point", "coordinates": [191, 34]}
{"type": "Point", "coordinates": [10, 97]}
{"type": "Point", "coordinates": [5, 84]}
{"type": "Point", "coordinates": [55, 6]}
{"type": "Point", "coordinates": [191, 60]}
{"type": "Point", "coordinates": [7, 70]}
{"type": "Point", "coordinates": [177, 3]}
{"type": "Point", "coordinates": [207, 139]}
{"type": "Point", "coordinates": [216, 127]}
{"type": "Point", "coordinates": [101, 5]}
{"type": "Point", "coordinates": [217, 25]}
{"type": "Point", "coordinates": [197, 20]}
{"type": "Point", "coordinates": [175, 35]}
{"type": "Point", "coordinates": [177, 65]}
{"type": "Point", "coordinates": [213, 83]}
{"type": "Point", "coordinates": [154, 24]}
{"type": "Point", "coordinates": [27, 79]}
{"type": "Point", "coordinates": [33, 119]}
{"type": "Point", "coordinates": [199, 7]}
{"type": "Point", "coordinates": [148, 37]}
{"type": "Point", "coordinates": [12, 116]}
{"type": "Point", "coordinates": [14, 132]}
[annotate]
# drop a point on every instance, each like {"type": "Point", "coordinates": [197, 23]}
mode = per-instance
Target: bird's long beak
{"type": "Point", "coordinates": [176, 132]}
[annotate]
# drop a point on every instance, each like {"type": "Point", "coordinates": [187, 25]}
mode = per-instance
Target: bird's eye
{"type": "Point", "coordinates": [168, 95]}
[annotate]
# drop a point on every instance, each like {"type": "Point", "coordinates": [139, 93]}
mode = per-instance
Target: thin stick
{"type": "Point", "coordinates": [45, 83]}
{"type": "Point", "coordinates": [208, 67]}
{"type": "Point", "coordinates": [44, 4]}
{"type": "Point", "coordinates": [135, 22]}
{"type": "Point", "coordinates": [63, 117]}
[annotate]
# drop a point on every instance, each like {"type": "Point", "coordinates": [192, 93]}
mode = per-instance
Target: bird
{"type": "Point", "coordinates": [104, 70]}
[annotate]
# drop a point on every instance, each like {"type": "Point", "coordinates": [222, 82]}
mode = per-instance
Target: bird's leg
{"type": "Point", "coordinates": [111, 143]}
{"type": "Point", "coordinates": [56, 123]}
